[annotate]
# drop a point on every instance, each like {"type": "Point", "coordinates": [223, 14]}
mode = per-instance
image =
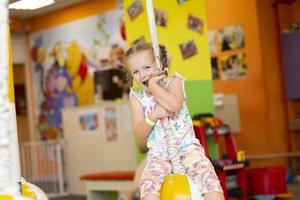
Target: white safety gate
{"type": "Point", "coordinates": [42, 163]}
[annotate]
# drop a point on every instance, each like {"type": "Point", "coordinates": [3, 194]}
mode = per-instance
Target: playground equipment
{"type": "Point", "coordinates": [11, 185]}
{"type": "Point", "coordinates": [176, 186]}
{"type": "Point", "coordinates": [230, 169]}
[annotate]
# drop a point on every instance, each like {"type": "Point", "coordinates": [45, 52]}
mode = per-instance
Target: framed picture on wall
{"type": "Point", "coordinates": [110, 122]}
{"type": "Point", "coordinates": [161, 17]}
{"type": "Point", "coordinates": [231, 38]}
{"type": "Point", "coordinates": [195, 24]}
{"type": "Point", "coordinates": [89, 121]}
{"type": "Point", "coordinates": [188, 49]}
{"type": "Point", "coordinates": [233, 66]}
{"type": "Point", "coordinates": [135, 9]}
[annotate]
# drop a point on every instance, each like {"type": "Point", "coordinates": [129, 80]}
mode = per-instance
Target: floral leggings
{"type": "Point", "coordinates": [198, 168]}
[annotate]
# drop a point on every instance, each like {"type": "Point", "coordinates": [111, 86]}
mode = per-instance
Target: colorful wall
{"type": "Point", "coordinates": [45, 128]}
{"type": "Point", "coordinates": [195, 69]}
{"type": "Point", "coordinates": [261, 105]}
{"type": "Point", "coordinates": [64, 59]}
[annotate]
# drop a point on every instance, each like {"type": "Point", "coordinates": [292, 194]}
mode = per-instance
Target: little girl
{"type": "Point", "coordinates": [153, 109]}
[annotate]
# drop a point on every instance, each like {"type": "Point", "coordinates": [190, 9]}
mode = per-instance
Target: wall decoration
{"type": "Point", "coordinates": [161, 17]}
{"type": "Point", "coordinates": [89, 121]}
{"type": "Point", "coordinates": [64, 59]}
{"type": "Point", "coordinates": [195, 24]}
{"type": "Point", "coordinates": [233, 66]}
{"type": "Point", "coordinates": [212, 39]}
{"type": "Point", "coordinates": [214, 68]}
{"type": "Point", "coordinates": [227, 45]}
{"type": "Point", "coordinates": [110, 122]}
{"type": "Point", "coordinates": [231, 38]}
{"type": "Point", "coordinates": [135, 9]}
{"type": "Point", "coordinates": [188, 49]}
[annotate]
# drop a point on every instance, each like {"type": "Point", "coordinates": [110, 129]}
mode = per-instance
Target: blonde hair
{"type": "Point", "coordinates": [140, 48]}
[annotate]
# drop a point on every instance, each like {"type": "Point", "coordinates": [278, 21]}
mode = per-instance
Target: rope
{"type": "Point", "coordinates": [172, 146]}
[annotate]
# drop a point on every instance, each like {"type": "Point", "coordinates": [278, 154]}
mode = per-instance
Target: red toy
{"type": "Point", "coordinates": [266, 181]}
{"type": "Point", "coordinates": [231, 171]}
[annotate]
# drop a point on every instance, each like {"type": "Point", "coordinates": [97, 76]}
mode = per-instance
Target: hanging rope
{"type": "Point", "coordinates": [172, 147]}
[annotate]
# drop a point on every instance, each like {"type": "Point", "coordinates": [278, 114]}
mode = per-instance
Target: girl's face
{"type": "Point", "coordinates": [141, 66]}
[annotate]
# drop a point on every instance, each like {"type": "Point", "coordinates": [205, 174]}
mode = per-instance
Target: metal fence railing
{"type": "Point", "coordinates": [42, 163]}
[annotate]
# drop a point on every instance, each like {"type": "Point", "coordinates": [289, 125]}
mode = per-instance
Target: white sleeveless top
{"type": "Point", "coordinates": [181, 124]}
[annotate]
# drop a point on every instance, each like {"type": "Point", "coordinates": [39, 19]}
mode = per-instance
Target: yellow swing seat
{"type": "Point", "coordinates": [29, 192]}
{"type": "Point", "coordinates": [175, 187]}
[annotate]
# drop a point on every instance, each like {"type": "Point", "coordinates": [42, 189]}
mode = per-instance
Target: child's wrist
{"type": "Point", "coordinates": [149, 121]}
{"type": "Point", "coordinates": [152, 117]}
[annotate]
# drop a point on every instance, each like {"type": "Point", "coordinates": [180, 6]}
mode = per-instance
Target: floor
{"type": "Point", "coordinates": [294, 188]}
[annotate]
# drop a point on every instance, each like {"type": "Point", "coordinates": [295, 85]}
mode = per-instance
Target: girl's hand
{"type": "Point", "coordinates": [154, 80]}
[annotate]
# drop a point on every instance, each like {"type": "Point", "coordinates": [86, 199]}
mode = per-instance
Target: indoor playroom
{"type": "Point", "coordinates": [183, 99]}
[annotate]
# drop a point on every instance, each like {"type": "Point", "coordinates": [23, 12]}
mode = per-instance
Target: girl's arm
{"type": "Point", "coordinates": [140, 127]}
{"type": "Point", "coordinates": [172, 97]}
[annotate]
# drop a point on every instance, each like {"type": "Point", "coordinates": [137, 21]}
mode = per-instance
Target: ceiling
{"type": "Point", "coordinates": [59, 4]}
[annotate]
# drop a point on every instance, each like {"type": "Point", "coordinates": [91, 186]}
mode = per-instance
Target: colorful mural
{"type": "Point", "coordinates": [64, 59]}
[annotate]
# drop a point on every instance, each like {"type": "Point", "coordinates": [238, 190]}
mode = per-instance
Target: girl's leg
{"type": "Point", "coordinates": [128, 195]}
{"type": "Point", "coordinates": [138, 174]}
{"type": "Point", "coordinates": [200, 169]}
{"type": "Point", "coordinates": [152, 178]}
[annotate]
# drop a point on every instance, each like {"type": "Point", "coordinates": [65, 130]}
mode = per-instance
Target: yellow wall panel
{"type": "Point", "coordinates": [176, 33]}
